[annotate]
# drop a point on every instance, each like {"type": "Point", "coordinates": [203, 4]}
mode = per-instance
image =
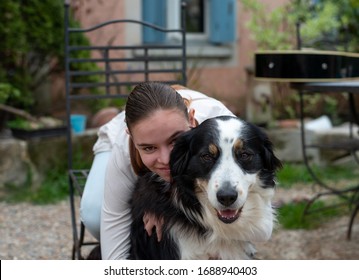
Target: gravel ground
{"type": "Point", "coordinates": [30, 232]}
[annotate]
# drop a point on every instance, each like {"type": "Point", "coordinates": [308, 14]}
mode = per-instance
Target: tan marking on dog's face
{"type": "Point", "coordinates": [201, 190]}
{"type": "Point", "coordinates": [238, 145]}
{"type": "Point", "coordinates": [213, 150]}
{"type": "Point", "coordinates": [201, 186]}
{"type": "Point", "coordinates": [202, 195]}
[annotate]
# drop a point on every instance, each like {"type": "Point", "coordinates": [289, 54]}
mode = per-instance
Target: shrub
{"type": "Point", "coordinates": [32, 48]}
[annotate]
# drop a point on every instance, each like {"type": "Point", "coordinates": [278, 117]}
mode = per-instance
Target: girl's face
{"type": "Point", "coordinates": [154, 138]}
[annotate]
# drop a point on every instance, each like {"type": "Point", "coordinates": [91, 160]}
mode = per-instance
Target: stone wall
{"type": "Point", "coordinates": [288, 146]}
{"type": "Point", "coordinates": [25, 163]}
{"type": "Point", "coordinates": [16, 167]}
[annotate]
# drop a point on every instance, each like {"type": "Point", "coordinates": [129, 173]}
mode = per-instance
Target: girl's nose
{"type": "Point", "coordinates": [164, 156]}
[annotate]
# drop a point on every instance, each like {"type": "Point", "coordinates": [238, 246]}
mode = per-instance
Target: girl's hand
{"type": "Point", "coordinates": [150, 221]}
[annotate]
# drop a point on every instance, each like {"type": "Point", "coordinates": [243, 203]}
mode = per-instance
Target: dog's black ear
{"type": "Point", "coordinates": [181, 154]}
{"type": "Point", "coordinates": [271, 162]}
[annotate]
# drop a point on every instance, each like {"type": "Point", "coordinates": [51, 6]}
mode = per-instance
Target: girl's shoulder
{"type": "Point", "coordinates": [205, 107]}
{"type": "Point", "coordinates": [192, 94]}
{"type": "Point", "coordinates": [111, 132]}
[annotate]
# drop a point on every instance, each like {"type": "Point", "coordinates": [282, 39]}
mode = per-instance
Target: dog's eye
{"type": "Point", "coordinates": [207, 157]}
{"type": "Point", "coordinates": [245, 156]}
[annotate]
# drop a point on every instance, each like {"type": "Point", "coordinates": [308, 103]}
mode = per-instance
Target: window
{"type": "Point", "coordinates": [195, 16]}
{"type": "Point", "coordinates": [211, 27]}
{"type": "Point", "coordinates": [207, 20]}
{"type": "Point", "coordinates": [196, 25]}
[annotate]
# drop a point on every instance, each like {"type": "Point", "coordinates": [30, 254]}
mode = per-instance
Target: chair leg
{"type": "Point", "coordinates": [352, 217]}
{"type": "Point", "coordinates": [76, 249]}
{"type": "Point", "coordinates": [73, 252]}
{"type": "Point", "coordinates": [81, 241]}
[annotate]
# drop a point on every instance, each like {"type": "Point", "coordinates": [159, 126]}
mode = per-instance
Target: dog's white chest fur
{"type": "Point", "coordinates": [205, 250]}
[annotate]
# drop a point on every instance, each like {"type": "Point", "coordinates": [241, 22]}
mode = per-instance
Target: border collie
{"type": "Point", "coordinates": [219, 202]}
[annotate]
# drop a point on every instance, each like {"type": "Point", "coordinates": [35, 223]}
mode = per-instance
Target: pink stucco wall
{"type": "Point", "coordinates": [227, 83]}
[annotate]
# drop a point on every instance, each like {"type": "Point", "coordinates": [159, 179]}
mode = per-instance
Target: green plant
{"type": "Point", "coordinates": [53, 189]}
{"type": "Point", "coordinates": [323, 24]}
{"type": "Point", "coordinates": [7, 90]}
{"type": "Point", "coordinates": [31, 45]}
{"type": "Point", "coordinates": [19, 123]}
{"type": "Point", "coordinates": [290, 216]}
{"type": "Point", "coordinates": [32, 49]}
{"type": "Point", "coordinates": [328, 24]}
{"type": "Point", "coordinates": [270, 30]}
{"type": "Point", "coordinates": [292, 174]}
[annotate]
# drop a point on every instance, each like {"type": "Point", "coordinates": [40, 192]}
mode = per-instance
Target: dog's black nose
{"type": "Point", "coordinates": [227, 196]}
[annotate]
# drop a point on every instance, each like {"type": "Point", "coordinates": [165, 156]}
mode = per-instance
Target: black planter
{"type": "Point", "coordinates": [25, 134]}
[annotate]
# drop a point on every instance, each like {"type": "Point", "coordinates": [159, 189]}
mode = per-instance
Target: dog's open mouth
{"type": "Point", "coordinates": [228, 215]}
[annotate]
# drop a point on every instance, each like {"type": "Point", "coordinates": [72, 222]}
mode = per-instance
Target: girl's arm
{"type": "Point", "coordinates": [116, 213]}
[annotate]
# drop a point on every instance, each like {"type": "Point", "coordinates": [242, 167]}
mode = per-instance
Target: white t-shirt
{"type": "Point", "coordinates": [120, 177]}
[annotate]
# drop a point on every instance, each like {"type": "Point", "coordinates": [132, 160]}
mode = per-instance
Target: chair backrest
{"type": "Point", "coordinates": [110, 71]}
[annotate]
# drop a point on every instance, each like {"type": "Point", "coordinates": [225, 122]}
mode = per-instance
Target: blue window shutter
{"type": "Point", "coordinates": [222, 21]}
{"type": "Point", "coordinates": [154, 11]}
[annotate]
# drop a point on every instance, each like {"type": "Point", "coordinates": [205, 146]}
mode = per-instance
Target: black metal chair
{"type": "Point", "coordinates": [350, 194]}
{"type": "Point", "coordinates": [120, 67]}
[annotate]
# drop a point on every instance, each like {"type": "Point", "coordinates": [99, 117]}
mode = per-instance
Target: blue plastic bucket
{"type": "Point", "coordinates": [78, 123]}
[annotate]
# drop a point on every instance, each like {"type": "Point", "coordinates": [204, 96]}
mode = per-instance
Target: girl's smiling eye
{"type": "Point", "coordinates": [148, 149]}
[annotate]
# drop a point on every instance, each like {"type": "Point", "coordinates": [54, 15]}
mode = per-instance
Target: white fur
{"type": "Point", "coordinates": [256, 220]}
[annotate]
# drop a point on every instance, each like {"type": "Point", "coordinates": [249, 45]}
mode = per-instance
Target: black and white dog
{"type": "Point", "coordinates": [220, 199]}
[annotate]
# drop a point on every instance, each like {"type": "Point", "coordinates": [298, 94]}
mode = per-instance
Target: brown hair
{"type": "Point", "coordinates": [144, 99]}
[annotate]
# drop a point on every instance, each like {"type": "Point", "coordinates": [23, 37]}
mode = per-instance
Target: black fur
{"type": "Point", "coordinates": [189, 161]}
{"type": "Point", "coordinates": [153, 195]}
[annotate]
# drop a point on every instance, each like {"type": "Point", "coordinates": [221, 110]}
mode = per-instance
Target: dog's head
{"type": "Point", "coordinates": [230, 164]}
